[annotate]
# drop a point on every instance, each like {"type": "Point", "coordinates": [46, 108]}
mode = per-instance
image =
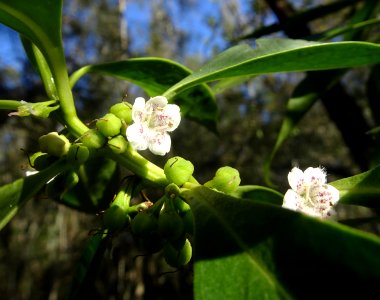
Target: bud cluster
{"type": "Point", "coordinates": [178, 170]}
{"type": "Point", "coordinates": [166, 226]}
{"type": "Point", "coordinates": [226, 180]}
{"type": "Point", "coordinates": [110, 129]}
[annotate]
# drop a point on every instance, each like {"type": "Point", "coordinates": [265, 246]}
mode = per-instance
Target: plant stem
{"type": "Point", "coordinates": [61, 79]}
{"type": "Point", "coordinates": [140, 166]}
{"type": "Point", "coordinates": [9, 104]}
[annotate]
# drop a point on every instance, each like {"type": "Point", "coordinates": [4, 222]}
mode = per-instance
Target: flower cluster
{"type": "Point", "coordinates": [310, 194]}
{"type": "Point", "coordinates": [152, 122]}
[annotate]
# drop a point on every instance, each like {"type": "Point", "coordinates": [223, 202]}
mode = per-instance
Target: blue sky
{"type": "Point", "coordinates": [192, 19]}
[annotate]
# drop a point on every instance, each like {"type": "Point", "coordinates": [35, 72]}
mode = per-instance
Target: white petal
{"type": "Point", "coordinates": [292, 200]}
{"type": "Point", "coordinates": [138, 110]}
{"type": "Point", "coordinates": [174, 116]}
{"type": "Point", "coordinates": [138, 136]}
{"type": "Point", "coordinates": [160, 144]}
{"type": "Point", "coordinates": [315, 175]}
{"type": "Point", "coordinates": [158, 101]}
{"type": "Point", "coordinates": [311, 211]}
{"type": "Point", "coordinates": [334, 194]}
{"type": "Point", "coordinates": [296, 179]}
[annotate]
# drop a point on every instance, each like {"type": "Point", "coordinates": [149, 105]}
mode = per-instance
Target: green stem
{"type": "Point", "coordinates": [10, 104]}
{"type": "Point", "coordinates": [57, 65]}
{"type": "Point", "coordinates": [74, 77]}
{"type": "Point", "coordinates": [139, 165]}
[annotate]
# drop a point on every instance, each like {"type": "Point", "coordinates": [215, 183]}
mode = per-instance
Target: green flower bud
{"type": "Point", "coordinates": [109, 125]}
{"type": "Point", "coordinates": [144, 224]}
{"type": "Point", "coordinates": [118, 144]}
{"type": "Point", "coordinates": [93, 139]}
{"type": "Point", "coordinates": [170, 225]}
{"type": "Point", "coordinates": [177, 257]}
{"type": "Point", "coordinates": [115, 218]}
{"type": "Point", "coordinates": [181, 205]}
{"type": "Point", "coordinates": [123, 111]}
{"type": "Point", "coordinates": [226, 180]}
{"type": "Point", "coordinates": [178, 170]}
{"type": "Point", "coordinates": [40, 160]}
{"type": "Point", "coordinates": [188, 222]}
{"type": "Point", "coordinates": [54, 144]}
{"type": "Point", "coordinates": [78, 154]}
{"type": "Point", "coordinates": [172, 190]}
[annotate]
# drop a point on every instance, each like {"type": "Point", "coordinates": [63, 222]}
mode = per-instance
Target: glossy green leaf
{"type": "Point", "coordinates": [40, 64]}
{"type": "Point", "coordinates": [311, 89]}
{"type": "Point", "coordinates": [280, 55]}
{"type": "Point", "coordinates": [155, 76]}
{"type": "Point", "coordinates": [362, 189]}
{"type": "Point", "coordinates": [39, 20]}
{"type": "Point", "coordinates": [259, 193]}
{"type": "Point", "coordinates": [245, 249]}
{"type": "Point", "coordinates": [15, 194]}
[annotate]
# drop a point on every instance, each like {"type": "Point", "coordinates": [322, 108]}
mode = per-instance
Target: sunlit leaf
{"type": "Point", "coordinates": [312, 88]}
{"type": "Point", "coordinates": [39, 20]}
{"type": "Point", "coordinates": [15, 194]}
{"type": "Point", "coordinates": [281, 55]}
{"type": "Point", "coordinates": [39, 63]}
{"type": "Point", "coordinates": [245, 249]}
{"type": "Point", "coordinates": [362, 189]}
{"type": "Point", "coordinates": [155, 76]}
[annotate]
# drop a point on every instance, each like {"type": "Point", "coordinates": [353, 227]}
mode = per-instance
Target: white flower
{"type": "Point", "coordinates": [310, 194]}
{"type": "Point", "coordinates": [152, 121]}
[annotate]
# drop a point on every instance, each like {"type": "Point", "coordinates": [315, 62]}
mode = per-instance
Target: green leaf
{"type": "Point", "coordinates": [245, 249]}
{"type": "Point", "coordinates": [88, 266]}
{"type": "Point", "coordinates": [14, 195]}
{"type": "Point", "coordinates": [259, 193]}
{"type": "Point", "coordinates": [39, 20]}
{"type": "Point", "coordinates": [304, 96]}
{"type": "Point", "coordinates": [348, 29]}
{"type": "Point", "coordinates": [362, 189]}
{"type": "Point", "coordinates": [40, 64]}
{"type": "Point", "coordinates": [155, 76]}
{"type": "Point", "coordinates": [280, 55]}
